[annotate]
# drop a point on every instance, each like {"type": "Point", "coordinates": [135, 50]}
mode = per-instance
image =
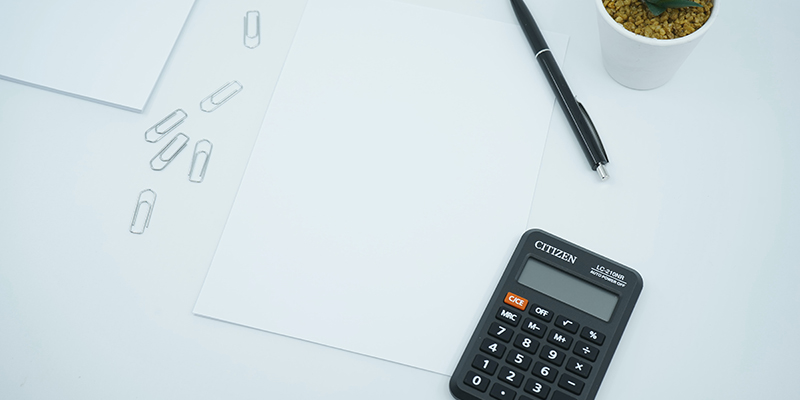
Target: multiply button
{"type": "Point", "coordinates": [592, 335]}
{"type": "Point", "coordinates": [541, 313]}
{"type": "Point", "coordinates": [579, 367]}
{"type": "Point", "coordinates": [567, 324]}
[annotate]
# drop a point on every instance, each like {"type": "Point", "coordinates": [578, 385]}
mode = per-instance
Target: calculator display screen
{"type": "Point", "coordinates": [568, 289]}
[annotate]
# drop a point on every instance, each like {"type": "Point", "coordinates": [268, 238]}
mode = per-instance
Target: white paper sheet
{"type": "Point", "coordinates": [390, 182]}
{"type": "Point", "coordinates": [110, 51]}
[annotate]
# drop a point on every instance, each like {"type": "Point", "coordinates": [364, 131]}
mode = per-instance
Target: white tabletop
{"type": "Point", "coordinates": [701, 201]}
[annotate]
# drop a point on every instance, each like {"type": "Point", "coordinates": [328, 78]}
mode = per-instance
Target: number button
{"type": "Point", "coordinates": [534, 328]}
{"type": "Point", "coordinates": [541, 313]}
{"type": "Point", "coordinates": [510, 376]}
{"type": "Point", "coordinates": [526, 343]}
{"type": "Point", "coordinates": [559, 339]}
{"type": "Point", "coordinates": [493, 348]}
{"type": "Point", "coordinates": [544, 371]}
{"type": "Point", "coordinates": [567, 324]}
{"type": "Point", "coordinates": [518, 360]}
{"type": "Point", "coordinates": [508, 316]}
{"type": "Point", "coordinates": [593, 335]}
{"type": "Point", "coordinates": [586, 351]}
{"type": "Point", "coordinates": [476, 381]}
{"type": "Point", "coordinates": [484, 364]}
{"type": "Point", "coordinates": [571, 384]}
{"type": "Point", "coordinates": [501, 392]}
{"type": "Point", "coordinates": [537, 388]}
{"type": "Point", "coordinates": [500, 332]}
{"type": "Point", "coordinates": [550, 354]}
{"type": "Point", "coordinates": [579, 367]}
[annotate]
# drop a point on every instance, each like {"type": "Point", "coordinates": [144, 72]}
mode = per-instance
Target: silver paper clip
{"type": "Point", "coordinates": [202, 154]}
{"type": "Point", "coordinates": [169, 152]}
{"type": "Point", "coordinates": [220, 96]}
{"type": "Point", "coordinates": [252, 29]}
{"type": "Point", "coordinates": [143, 211]}
{"type": "Point", "coordinates": [165, 126]}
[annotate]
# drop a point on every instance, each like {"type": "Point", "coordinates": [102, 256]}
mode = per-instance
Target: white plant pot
{"type": "Point", "coordinates": [640, 62]}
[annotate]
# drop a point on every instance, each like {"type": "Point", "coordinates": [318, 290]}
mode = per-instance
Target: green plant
{"type": "Point", "coordinates": [659, 6]}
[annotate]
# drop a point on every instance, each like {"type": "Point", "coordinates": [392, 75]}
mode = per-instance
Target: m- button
{"type": "Point", "coordinates": [516, 301]}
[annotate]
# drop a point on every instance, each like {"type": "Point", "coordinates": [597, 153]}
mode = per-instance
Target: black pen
{"type": "Point", "coordinates": [578, 118]}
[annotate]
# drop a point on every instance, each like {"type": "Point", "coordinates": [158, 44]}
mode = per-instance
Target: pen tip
{"type": "Point", "coordinates": [601, 170]}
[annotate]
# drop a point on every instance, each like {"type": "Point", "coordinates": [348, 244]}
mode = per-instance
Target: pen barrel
{"type": "Point", "coordinates": [578, 119]}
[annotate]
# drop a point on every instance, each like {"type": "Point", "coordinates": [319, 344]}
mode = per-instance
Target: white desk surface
{"type": "Point", "coordinates": [702, 202]}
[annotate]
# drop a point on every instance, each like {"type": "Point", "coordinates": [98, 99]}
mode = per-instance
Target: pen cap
{"type": "Point", "coordinates": [640, 62]}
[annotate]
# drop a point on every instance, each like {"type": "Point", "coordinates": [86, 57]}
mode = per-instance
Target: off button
{"type": "Point", "coordinates": [516, 301]}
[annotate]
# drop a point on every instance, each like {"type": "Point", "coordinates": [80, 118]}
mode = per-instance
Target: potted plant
{"type": "Point", "coordinates": [644, 42]}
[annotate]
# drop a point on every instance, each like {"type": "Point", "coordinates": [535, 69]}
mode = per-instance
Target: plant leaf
{"type": "Point", "coordinates": [672, 3]}
{"type": "Point", "coordinates": [655, 9]}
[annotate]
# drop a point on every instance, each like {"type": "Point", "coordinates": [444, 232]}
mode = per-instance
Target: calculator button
{"type": "Point", "coordinates": [534, 328]}
{"type": "Point", "coordinates": [559, 339]}
{"type": "Point", "coordinates": [554, 356]}
{"type": "Point", "coordinates": [509, 316]}
{"type": "Point", "coordinates": [586, 351]}
{"type": "Point", "coordinates": [511, 376]}
{"type": "Point", "coordinates": [527, 344]}
{"type": "Point", "coordinates": [541, 313]}
{"type": "Point", "coordinates": [519, 360]}
{"type": "Point", "coordinates": [571, 384]}
{"type": "Point", "coordinates": [561, 396]}
{"type": "Point", "coordinates": [537, 388]}
{"type": "Point", "coordinates": [579, 367]}
{"type": "Point", "coordinates": [500, 332]}
{"type": "Point", "coordinates": [592, 335]}
{"type": "Point", "coordinates": [493, 347]}
{"type": "Point", "coordinates": [545, 371]}
{"type": "Point", "coordinates": [567, 324]}
{"type": "Point", "coordinates": [484, 364]}
{"type": "Point", "coordinates": [501, 392]}
{"type": "Point", "coordinates": [516, 301]}
{"type": "Point", "coordinates": [476, 381]}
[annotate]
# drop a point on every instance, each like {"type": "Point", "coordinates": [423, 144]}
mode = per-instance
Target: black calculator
{"type": "Point", "coordinates": [551, 326]}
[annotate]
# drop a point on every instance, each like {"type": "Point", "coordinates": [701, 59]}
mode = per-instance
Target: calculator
{"type": "Point", "coordinates": [551, 327]}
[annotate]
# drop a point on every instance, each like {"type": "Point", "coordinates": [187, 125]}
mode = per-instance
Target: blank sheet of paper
{"type": "Point", "coordinates": [392, 178]}
{"type": "Point", "coordinates": [110, 51]}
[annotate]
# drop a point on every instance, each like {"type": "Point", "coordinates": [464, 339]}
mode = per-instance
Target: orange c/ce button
{"type": "Point", "coordinates": [516, 301]}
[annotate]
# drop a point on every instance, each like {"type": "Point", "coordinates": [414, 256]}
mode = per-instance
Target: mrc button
{"type": "Point", "coordinates": [516, 301]}
{"type": "Point", "coordinates": [504, 314]}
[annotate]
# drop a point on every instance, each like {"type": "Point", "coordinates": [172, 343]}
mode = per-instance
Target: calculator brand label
{"type": "Point", "coordinates": [556, 252]}
{"type": "Point", "coordinates": [608, 275]}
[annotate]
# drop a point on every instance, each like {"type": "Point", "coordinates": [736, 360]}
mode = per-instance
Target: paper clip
{"type": "Point", "coordinates": [147, 198]}
{"type": "Point", "coordinates": [202, 154]}
{"type": "Point", "coordinates": [165, 126]}
{"type": "Point", "coordinates": [169, 152]}
{"type": "Point", "coordinates": [252, 29]}
{"type": "Point", "coordinates": [220, 96]}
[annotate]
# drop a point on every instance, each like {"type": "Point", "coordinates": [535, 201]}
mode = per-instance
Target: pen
{"type": "Point", "coordinates": [578, 117]}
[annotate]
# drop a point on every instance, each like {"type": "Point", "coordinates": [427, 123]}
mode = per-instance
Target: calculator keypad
{"type": "Point", "coordinates": [544, 356]}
